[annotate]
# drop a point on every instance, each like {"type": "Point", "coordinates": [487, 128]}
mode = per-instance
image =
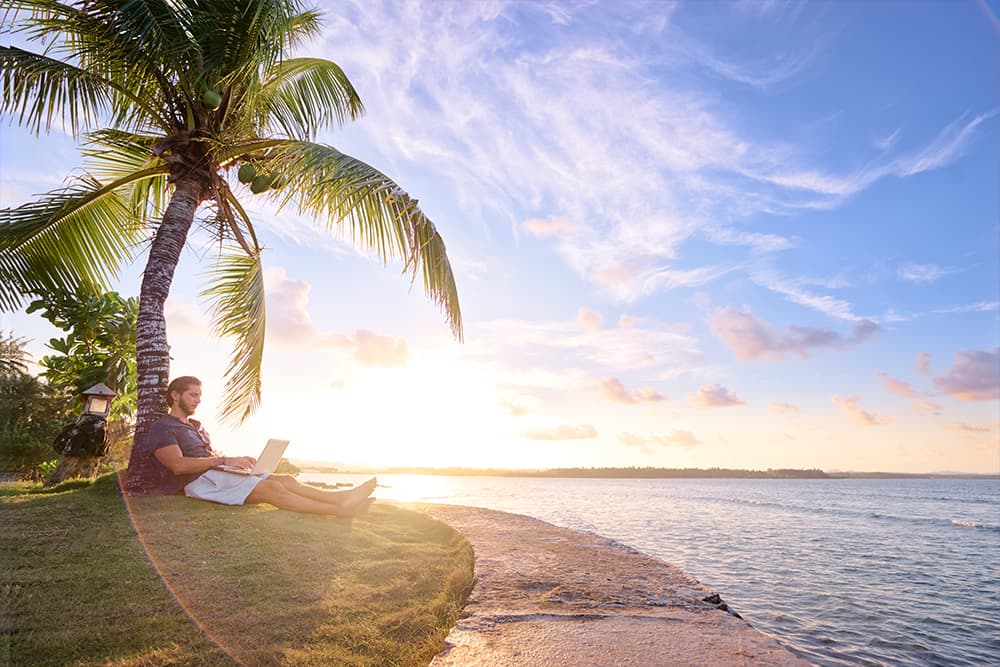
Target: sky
{"type": "Point", "coordinates": [734, 234]}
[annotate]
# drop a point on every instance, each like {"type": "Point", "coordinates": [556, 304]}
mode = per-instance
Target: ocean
{"type": "Point", "coordinates": [841, 572]}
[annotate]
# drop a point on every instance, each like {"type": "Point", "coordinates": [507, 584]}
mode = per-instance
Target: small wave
{"type": "Point", "coordinates": [750, 501]}
{"type": "Point", "coordinates": [973, 524]}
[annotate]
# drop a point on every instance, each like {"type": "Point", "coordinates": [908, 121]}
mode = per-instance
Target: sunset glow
{"type": "Point", "coordinates": [755, 235]}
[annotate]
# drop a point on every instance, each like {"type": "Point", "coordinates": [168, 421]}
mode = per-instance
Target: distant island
{"type": "Point", "coordinates": [638, 473]}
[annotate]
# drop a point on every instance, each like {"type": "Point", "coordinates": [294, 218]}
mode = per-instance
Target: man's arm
{"type": "Point", "coordinates": [173, 458]}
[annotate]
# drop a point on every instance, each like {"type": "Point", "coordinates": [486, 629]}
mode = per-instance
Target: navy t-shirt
{"type": "Point", "coordinates": [147, 474]}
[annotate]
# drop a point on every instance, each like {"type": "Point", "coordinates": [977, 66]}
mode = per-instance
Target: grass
{"type": "Point", "coordinates": [84, 581]}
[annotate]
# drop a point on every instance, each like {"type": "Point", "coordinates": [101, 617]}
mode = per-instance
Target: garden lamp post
{"type": "Point", "coordinates": [97, 400]}
{"type": "Point", "coordinates": [82, 444]}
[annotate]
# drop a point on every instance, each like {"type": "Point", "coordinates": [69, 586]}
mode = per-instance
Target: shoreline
{"type": "Point", "coordinates": [543, 593]}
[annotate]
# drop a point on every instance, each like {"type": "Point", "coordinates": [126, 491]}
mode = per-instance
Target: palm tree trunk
{"type": "Point", "coordinates": [151, 349]}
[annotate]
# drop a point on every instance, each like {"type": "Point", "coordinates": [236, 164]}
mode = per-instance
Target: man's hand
{"type": "Point", "coordinates": [246, 462]}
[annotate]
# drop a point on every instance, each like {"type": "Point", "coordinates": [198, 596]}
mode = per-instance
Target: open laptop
{"type": "Point", "coordinates": [266, 462]}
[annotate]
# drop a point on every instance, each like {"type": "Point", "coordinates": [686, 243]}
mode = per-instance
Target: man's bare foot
{"type": "Point", "coordinates": [356, 496]}
{"type": "Point", "coordinates": [359, 509]}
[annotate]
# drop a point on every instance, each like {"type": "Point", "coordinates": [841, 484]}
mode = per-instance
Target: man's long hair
{"type": "Point", "coordinates": [180, 385]}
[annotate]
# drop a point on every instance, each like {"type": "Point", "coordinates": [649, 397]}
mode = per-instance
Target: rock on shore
{"type": "Point", "coordinates": [554, 597]}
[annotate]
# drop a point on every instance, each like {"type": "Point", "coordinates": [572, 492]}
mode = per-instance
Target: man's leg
{"type": "Point", "coordinates": [348, 498]}
{"type": "Point", "coordinates": [273, 492]}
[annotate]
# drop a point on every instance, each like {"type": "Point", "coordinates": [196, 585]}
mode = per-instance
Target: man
{"type": "Point", "coordinates": [176, 457]}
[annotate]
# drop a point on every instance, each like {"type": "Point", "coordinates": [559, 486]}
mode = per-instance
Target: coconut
{"type": "Point", "coordinates": [246, 173]}
{"type": "Point", "coordinates": [260, 184]}
{"type": "Point", "coordinates": [278, 181]}
{"type": "Point", "coordinates": [212, 99]}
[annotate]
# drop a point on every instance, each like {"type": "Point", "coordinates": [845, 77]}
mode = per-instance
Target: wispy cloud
{"type": "Point", "coordinates": [927, 407]}
{"type": "Point", "coordinates": [854, 413]}
{"type": "Point", "coordinates": [649, 444]}
{"type": "Point", "coordinates": [562, 432]}
{"type": "Point", "coordinates": [546, 227]}
{"type": "Point", "coordinates": [974, 376]}
{"type": "Point", "coordinates": [923, 273]}
{"type": "Point", "coordinates": [750, 338]}
{"type": "Point", "coordinates": [784, 408]}
{"type": "Point", "coordinates": [714, 396]}
{"type": "Point", "coordinates": [588, 126]}
{"type": "Point", "coordinates": [977, 307]}
{"type": "Point", "coordinates": [968, 428]}
{"type": "Point", "coordinates": [513, 407]}
{"type": "Point", "coordinates": [897, 387]}
{"type": "Point", "coordinates": [371, 349]}
{"type": "Point", "coordinates": [923, 363]}
{"type": "Point", "coordinates": [589, 319]}
{"type": "Point", "coordinates": [613, 389]}
{"type": "Point", "coordinates": [647, 345]}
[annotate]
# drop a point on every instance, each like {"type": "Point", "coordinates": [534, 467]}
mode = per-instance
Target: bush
{"type": "Point", "coordinates": [31, 416]}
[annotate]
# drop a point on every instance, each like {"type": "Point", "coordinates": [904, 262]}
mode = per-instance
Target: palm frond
{"type": "Point", "coordinates": [38, 90]}
{"type": "Point", "coordinates": [236, 298]}
{"type": "Point", "coordinates": [304, 95]}
{"type": "Point", "coordinates": [135, 47]}
{"type": "Point", "coordinates": [82, 233]}
{"type": "Point", "coordinates": [368, 208]}
{"type": "Point", "coordinates": [114, 154]}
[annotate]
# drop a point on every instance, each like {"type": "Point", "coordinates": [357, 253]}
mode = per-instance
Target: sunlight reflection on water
{"type": "Point", "coordinates": [843, 572]}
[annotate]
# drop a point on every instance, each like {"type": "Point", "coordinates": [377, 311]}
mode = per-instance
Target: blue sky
{"type": "Point", "coordinates": [750, 234]}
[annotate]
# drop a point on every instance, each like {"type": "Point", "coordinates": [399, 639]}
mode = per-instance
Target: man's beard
{"type": "Point", "coordinates": [186, 407]}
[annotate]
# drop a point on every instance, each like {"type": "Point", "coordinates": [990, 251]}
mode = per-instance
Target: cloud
{"type": "Point", "coordinates": [977, 307]}
{"type": "Point", "coordinates": [927, 407]}
{"type": "Point", "coordinates": [714, 396]}
{"type": "Point", "coordinates": [849, 407]}
{"type": "Point", "coordinates": [923, 363]}
{"type": "Point", "coordinates": [564, 432]}
{"type": "Point", "coordinates": [613, 389]}
{"type": "Point", "coordinates": [750, 338]}
{"type": "Point", "coordinates": [183, 319]}
{"type": "Point", "coordinates": [562, 344]}
{"type": "Point", "coordinates": [371, 349]}
{"type": "Point", "coordinates": [622, 129]}
{"type": "Point", "coordinates": [923, 273]}
{"type": "Point", "coordinates": [617, 392]}
{"type": "Point", "coordinates": [975, 376]}
{"type": "Point", "coordinates": [514, 408]}
{"type": "Point", "coordinates": [968, 428]}
{"type": "Point", "coordinates": [794, 290]}
{"type": "Point", "coordinates": [589, 319]}
{"type": "Point", "coordinates": [288, 319]}
{"type": "Point", "coordinates": [784, 408]}
{"type": "Point", "coordinates": [649, 394]}
{"type": "Point", "coordinates": [897, 387]}
{"type": "Point", "coordinates": [545, 227]}
{"type": "Point", "coordinates": [650, 443]}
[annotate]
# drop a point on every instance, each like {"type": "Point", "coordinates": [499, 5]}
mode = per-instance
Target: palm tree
{"type": "Point", "coordinates": [189, 94]}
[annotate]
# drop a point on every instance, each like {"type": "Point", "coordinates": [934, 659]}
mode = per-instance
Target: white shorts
{"type": "Point", "coordinates": [219, 486]}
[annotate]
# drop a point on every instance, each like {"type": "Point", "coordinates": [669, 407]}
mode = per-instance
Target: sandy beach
{"type": "Point", "coordinates": [547, 595]}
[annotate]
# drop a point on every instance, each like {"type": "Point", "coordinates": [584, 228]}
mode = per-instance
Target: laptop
{"type": "Point", "coordinates": [266, 462]}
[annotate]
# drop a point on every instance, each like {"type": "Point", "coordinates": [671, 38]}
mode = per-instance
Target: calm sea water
{"type": "Point", "coordinates": [842, 572]}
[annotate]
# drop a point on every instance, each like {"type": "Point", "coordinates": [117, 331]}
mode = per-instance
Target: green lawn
{"type": "Point", "coordinates": [182, 582]}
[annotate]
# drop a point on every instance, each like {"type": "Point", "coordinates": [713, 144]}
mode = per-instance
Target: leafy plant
{"type": "Point", "coordinates": [99, 345]}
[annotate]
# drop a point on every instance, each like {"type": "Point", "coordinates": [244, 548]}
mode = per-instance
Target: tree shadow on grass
{"type": "Point", "coordinates": [275, 587]}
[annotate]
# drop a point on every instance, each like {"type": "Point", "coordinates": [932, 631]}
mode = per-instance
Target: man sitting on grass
{"type": "Point", "coordinates": [176, 457]}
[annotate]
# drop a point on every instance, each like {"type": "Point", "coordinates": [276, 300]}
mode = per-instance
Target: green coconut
{"type": "Point", "coordinates": [278, 181]}
{"type": "Point", "coordinates": [246, 173]}
{"type": "Point", "coordinates": [212, 99]}
{"type": "Point", "coordinates": [260, 184]}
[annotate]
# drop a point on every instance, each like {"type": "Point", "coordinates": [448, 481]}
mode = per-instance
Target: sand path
{"type": "Point", "coordinates": [545, 595]}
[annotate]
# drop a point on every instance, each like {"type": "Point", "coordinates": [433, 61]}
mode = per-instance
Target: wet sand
{"type": "Point", "coordinates": [554, 597]}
